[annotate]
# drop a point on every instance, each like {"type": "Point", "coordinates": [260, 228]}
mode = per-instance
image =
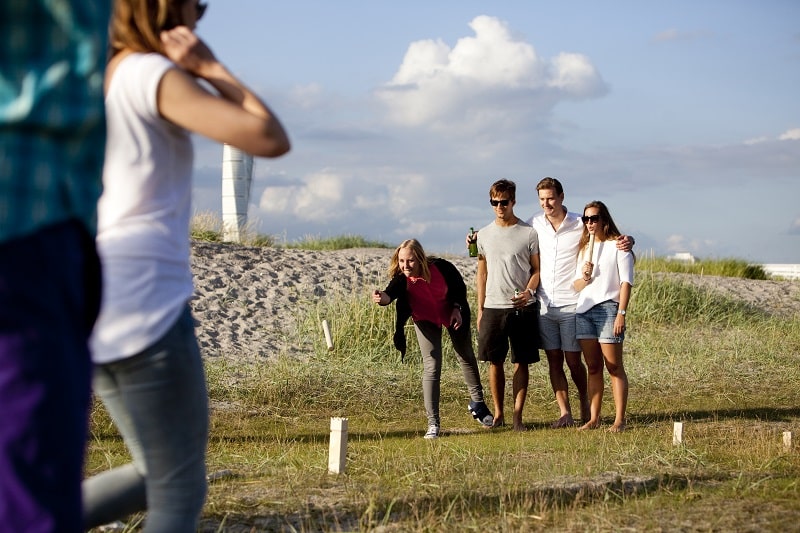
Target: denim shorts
{"type": "Point", "coordinates": [598, 323]}
{"type": "Point", "coordinates": [557, 328]}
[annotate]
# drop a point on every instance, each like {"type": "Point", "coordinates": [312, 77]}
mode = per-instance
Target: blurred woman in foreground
{"type": "Point", "coordinates": [148, 369]}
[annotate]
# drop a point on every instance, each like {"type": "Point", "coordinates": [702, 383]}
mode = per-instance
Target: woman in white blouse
{"type": "Point", "coordinates": [604, 278]}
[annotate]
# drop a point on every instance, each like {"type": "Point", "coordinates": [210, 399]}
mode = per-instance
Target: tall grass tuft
{"type": "Point", "coordinates": [664, 301]}
{"type": "Point", "coordinates": [207, 226]}
{"type": "Point", "coordinates": [340, 242]}
{"type": "Point", "coordinates": [729, 267]}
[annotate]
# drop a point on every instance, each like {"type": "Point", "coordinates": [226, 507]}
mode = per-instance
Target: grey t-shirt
{"type": "Point", "coordinates": [508, 252]}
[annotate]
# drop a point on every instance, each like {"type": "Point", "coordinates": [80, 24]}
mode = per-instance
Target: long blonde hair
{"type": "Point", "coordinates": [419, 255]}
{"type": "Point", "coordinates": [137, 24]}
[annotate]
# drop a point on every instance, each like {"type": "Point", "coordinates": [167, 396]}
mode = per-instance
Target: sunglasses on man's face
{"type": "Point", "coordinates": [495, 203]}
{"type": "Point", "coordinates": [201, 10]}
{"type": "Point", "coordinates": [591, 218]}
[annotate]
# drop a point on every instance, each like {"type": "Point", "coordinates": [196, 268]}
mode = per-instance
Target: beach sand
{"type": "Point", "coordinates": [248, 298]}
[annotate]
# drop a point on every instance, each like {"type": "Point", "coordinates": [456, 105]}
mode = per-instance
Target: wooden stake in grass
{"type": "Point", "coordinates": [787, 441]}
{"type": "Point", "coordinates": [337, 456]}
{"type": "Point", "coordinates": [677, 434]}
{"type": "Point", "coordinates": [327, 331]}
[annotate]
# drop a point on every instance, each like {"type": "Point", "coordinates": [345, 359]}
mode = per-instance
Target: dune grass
{"type": "Point", "coordinates": [729, 372]}
{"type": "Point", "coordinates": [207, 226]}
{"type": "Point", "coordinates": [336, 242]}
{"type": "Point", "coordinates": [730, 267]}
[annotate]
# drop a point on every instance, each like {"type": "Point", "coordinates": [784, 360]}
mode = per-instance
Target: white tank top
{"type": "Point", "coordinates": [143, 214]}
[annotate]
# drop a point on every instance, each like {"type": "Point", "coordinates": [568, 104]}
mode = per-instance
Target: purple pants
{"type": "Point", "coordinates": [49, 298]}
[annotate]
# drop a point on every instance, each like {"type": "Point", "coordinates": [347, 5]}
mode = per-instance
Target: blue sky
{"type": "Point", "coordinates": [682, 116]}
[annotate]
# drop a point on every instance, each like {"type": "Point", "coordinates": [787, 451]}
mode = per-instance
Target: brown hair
{"type": "Point", "coordinates": [137, 24]}
{"type": "Point", "coordinates": [419, 255]}
{"type": "Point", "coordinates": [550, 183]}
{"type": "Point", "coordinates": [610, 229]}
{"type": "Point", "coordinates": [503, 186]}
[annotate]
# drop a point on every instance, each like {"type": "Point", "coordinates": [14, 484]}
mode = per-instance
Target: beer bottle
{"type": "Point", "coordinates": [473, 243]}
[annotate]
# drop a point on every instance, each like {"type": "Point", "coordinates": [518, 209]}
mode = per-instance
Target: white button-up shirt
{"type": "Point", "coordinates": [558, 255]}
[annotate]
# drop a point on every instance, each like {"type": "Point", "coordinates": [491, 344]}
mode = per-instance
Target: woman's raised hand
{"type": "Point", "coordinates": [184, 48]}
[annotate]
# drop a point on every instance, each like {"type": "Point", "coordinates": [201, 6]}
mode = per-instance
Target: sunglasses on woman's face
{"type": "Point", "coordinates": [591, 218]}
{"type": "Point", "coordinates": [201, 10]}
{"type": "Point", "coordinates": [495, 203]}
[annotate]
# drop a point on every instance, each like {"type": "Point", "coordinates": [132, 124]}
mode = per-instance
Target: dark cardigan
{"type": "Point", "coordinates": [456, 294]}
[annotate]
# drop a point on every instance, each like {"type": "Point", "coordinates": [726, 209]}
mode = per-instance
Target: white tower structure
{"type": "Point", "coordinates": [237, 176]}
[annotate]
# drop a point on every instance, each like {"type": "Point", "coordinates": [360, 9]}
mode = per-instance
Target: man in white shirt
{"type": "Point", "coordinates": [559, 232]}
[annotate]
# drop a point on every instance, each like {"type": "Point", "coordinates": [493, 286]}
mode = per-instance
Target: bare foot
{"type": "Point", "coordinates": [586, 413]}
{"type": "Point", "coordinates": [563, 422]}
{"type": "Point", "coordinates": [518, 425]}
{"type": "Point", "coordinates": [617, 428]}
{"type": "Point", "coordinates": [589, 425]}
{"type": "Point", "coordinates": [498, 422]}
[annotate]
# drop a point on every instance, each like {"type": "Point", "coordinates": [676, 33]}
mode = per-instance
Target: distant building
{"type": "Point", "coordinates": [783, 271]}
{"type": "Point", "coordinates": [684, 257]}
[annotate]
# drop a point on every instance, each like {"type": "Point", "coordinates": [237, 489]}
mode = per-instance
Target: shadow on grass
{"type": "Point", "coordinates": [367, 515]}
{"type": "Point", "coordinates": [762, 414]}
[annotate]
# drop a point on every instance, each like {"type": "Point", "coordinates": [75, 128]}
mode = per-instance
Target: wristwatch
{"type": "Point", "coordinates": [622, 312]}
{"type": "Point", "coordinates": [530, 291]}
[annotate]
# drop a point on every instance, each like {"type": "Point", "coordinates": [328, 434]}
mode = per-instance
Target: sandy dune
{"type": "Point", "coordinates": [246, 297]}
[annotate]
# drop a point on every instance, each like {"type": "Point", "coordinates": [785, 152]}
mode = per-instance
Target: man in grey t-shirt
{"type": "Point", "coordinates": [507, 277]}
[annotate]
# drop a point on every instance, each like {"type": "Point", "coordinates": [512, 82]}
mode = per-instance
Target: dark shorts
{"type": "Point", "coordinates": [49, 297]}
{"type": "Point", "coordinates": [501, 327]}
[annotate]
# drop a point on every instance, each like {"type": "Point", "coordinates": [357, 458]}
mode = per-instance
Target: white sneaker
{"type": "Point", "coordinates": [433, 432]}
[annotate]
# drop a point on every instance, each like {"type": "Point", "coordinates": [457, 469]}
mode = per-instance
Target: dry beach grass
{"type": "Point", "coordinates": [248, 298]}
{"type": "Point", "coordinates": [730, 374]}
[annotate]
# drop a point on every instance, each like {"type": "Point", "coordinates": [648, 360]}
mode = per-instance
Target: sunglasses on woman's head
{"type": "Point", "coordinates": [495, 203]}
{"type": "Point", "coordinates": [590, 218]}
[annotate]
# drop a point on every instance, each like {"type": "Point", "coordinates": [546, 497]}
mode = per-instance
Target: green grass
{"type": "Point", "coordinates": [339, 242]}
{"type": "Point", "coordinates": [729, 372]}
{"type": "Point", "coordinates": [207, 227]}
{"type": "Point", "coordinates": [729, 267]}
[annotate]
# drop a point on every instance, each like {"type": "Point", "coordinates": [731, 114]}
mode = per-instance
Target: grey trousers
{"type": "Point", "coordinates": [159, 403]}
{"type": "Point", "coordinates": [429, 336]}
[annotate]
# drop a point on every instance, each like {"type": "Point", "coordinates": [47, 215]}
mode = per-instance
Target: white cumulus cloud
{"type": "Point", "coordinates": [316, 198]}
{"type": "Point", "coordinates": [790, 135]}
{"type": "Point", "coordinates": [491, 77]}
{"type": "Point", "coordinates": [680, 243]}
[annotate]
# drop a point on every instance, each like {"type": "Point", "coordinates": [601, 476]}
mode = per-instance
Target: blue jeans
{"type": "Point", "coordinates": [159, 402]}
